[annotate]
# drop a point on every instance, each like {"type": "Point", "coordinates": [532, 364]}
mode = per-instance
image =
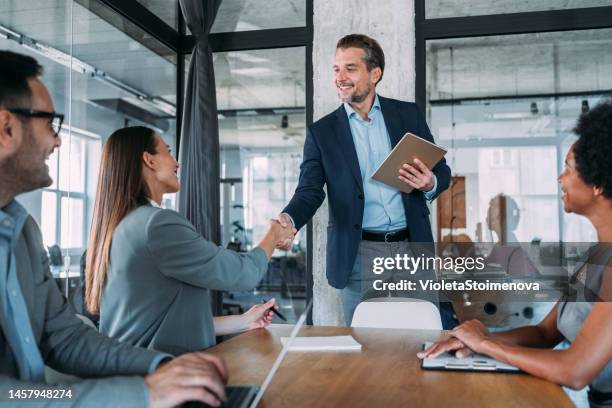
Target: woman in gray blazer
{"type": "Point", "coordinates": [149, 272]}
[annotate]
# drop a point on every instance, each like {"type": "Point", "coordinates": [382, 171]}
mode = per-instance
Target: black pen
{"type": "Point", "coordinates": [276, 312]}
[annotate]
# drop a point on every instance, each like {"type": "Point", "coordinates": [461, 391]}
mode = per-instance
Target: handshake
{"type": "Point", "coordinates": [282, 231]}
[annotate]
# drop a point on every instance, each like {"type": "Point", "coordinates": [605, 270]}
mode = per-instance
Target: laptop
{"type": "Point", "coordinates": [248, 396]}
{"type": "Point", "coordinates": [475, 362]}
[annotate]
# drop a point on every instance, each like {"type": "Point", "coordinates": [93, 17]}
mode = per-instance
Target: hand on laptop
{"type": "Point", "coordinates": [417, 176]}
{"type": "Point", "coordinates": [190, 377]}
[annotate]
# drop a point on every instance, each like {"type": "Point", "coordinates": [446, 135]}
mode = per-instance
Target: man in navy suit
{"type": "Point", "coordinates": [343, 150]}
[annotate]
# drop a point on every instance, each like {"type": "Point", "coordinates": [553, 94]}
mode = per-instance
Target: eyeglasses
{"type": "Point", "coordinates": [55, 119]}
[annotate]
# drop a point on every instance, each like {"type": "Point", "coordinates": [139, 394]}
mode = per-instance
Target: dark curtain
{"type": "Point", "coordinates": [199, 199]}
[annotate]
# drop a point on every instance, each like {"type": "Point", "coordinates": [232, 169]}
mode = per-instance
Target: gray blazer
{"type": "Point", "coordinates": [157, 292]}
{"type": "Point", "coordinates": [67, 344]}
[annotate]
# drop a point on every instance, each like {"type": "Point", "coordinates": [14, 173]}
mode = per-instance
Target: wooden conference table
{"type": "Point", "coordinates": [386, 373]}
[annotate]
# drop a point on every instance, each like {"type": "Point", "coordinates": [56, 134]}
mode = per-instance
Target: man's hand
{"type": "Point", "coordinates": [190, 377]}
{"type": "Point", "coordinates": [417, 176]}
{"type": "Point", "coordinates": [285, 222]}
{"type": "Point", "coordinates": [278, 236]}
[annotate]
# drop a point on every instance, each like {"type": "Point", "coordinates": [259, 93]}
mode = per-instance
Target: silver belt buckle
{"type": "Point", "coordinates": [387, 235]}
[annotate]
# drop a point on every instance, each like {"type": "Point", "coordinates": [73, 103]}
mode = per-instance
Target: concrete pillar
{"type": "Point", "coordinates": [391, 23]}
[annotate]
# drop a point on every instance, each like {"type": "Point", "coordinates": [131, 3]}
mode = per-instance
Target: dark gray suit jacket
{"type": "Point", "coordinates": [157, 291]}
{"type": "Point", "coordinates": [67, 344]}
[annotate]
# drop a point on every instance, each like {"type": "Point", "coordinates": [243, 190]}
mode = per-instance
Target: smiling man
{"type": "Point", "coordinates": [37, 325]}
{"type": "Point", "coordinates": [343, 150]}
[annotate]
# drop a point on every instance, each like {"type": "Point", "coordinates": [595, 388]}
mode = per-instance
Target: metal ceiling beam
{"type": "Point", "coordinates": [518, 97]}
{"type": "Point", "coordinates": [248, 40]}
{"type": "Point", "coordinates": [146, 20]}
{"type": "Point", "coordinates": [516, 23]}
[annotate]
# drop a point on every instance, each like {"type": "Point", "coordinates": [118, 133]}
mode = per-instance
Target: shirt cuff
{"type": "Point", "coordinates": [429, 195]}
{"type": "Point", "coordinates": [290, 219]}
{"type": "Point", "coordinates": [158, 359]}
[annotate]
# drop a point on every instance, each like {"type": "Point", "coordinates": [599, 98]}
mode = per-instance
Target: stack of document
{"type": "Point", "coordinates": [327, 343]}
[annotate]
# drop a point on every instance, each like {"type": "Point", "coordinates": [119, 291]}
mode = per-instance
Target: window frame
{"type": "Point", "coordinates": [60, 193]}
{"type": "Point", "coordinates": [426, 29]}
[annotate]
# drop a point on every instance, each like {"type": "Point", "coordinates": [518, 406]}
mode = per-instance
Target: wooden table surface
{"type": "Point", "coordinates": [386, 373]}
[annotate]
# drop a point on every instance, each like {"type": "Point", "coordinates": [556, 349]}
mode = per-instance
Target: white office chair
{"type": "Point", "coordinates": [397, 313]}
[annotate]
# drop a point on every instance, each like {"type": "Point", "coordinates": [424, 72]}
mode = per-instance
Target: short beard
{"type": "Point", "coordinates": [21, 174]}
{"type": "Point", "coordinates": [358, 98]}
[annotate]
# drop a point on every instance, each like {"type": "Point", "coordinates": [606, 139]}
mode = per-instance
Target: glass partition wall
{"type": "Point", "coordinates": [505, 107]}
{"type": "Point", "coordinates": [102, 79]}
{"type": "Point", "coordinates": [111, 64]}
{"type": "Point", "coordinates": [261, 97]}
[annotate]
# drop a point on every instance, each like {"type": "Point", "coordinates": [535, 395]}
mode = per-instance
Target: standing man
{"type": "Point", "coordinates": [37, 326]}
{"type": "Point", "coordinates": [343, 150]}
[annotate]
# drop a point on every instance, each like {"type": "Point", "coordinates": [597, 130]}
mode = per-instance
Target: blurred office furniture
{"type": "Point", "coordinates": [451, 208]}
{"type": "Point", "coordinates": [55, 255]}
{"type": "Point", "coordinates": [397, 313]}
{"type": "Point", "coordinates": [499, 312]}
{"type": "Point", "coordinates": [385, 373]}
{"type": "Point", "coordinates": [77, 297]}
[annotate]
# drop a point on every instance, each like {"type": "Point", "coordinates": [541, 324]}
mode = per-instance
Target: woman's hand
{"type": "Point", "coordinates": [471, 333]}
{"type": "Point", "coordinates": [445, 346]}
{"type": "Point", "coordinates": [465, 339]}
{"type": "Point", "coordinates": [259, 315]}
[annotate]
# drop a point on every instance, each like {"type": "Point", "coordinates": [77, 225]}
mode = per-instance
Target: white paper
{"type": "Point", "coordinates": [327, 343]}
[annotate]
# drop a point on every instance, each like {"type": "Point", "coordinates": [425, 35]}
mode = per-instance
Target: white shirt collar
{"type": "Point", "coordinates": [153, 203]}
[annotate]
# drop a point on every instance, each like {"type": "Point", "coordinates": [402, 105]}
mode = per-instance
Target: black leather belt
{"type": "Point", "coordinates": [393, 236]}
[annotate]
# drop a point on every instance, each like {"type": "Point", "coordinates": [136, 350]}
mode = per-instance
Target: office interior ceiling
{"type": "Point", "coordinates": [93, 40]}
{"type": "Point", "coordinates": [246, 15]}
{"type": "Point", "coordinates": [562, 62]}
{"type": "Point", "coordinates": [240, 15]}
{"type": "Point", "coordinates": [165, 9]}
{"type": "Point", "coordinates": [276, 78]}
{"type": "Point", "coordinates": [458, 8]}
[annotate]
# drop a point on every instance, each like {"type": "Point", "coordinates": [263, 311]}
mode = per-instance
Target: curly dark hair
{"type": "Point", "coordinates": [593, 149]}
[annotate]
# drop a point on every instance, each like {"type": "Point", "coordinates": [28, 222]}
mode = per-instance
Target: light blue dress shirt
{"type": "Point", "coordinates": [13, 307]}
{"type": "Point", "coordinates": [383, 207]}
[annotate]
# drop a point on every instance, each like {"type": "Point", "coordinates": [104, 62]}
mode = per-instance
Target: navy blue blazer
{"type": "Point", "coordinates": [330, 158]}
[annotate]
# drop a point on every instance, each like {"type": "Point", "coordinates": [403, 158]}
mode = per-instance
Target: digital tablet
{"type": "Point", "coordinates": [408, 148]}
{"type": "Point", "coordinates": [475, 362]}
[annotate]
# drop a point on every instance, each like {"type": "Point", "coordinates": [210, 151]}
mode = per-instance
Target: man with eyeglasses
{"type": "Point", "coordinates": [38, 327]}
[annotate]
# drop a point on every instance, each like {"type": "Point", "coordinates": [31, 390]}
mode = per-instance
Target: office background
{"type": "Point", "coordinates": [501, 84]}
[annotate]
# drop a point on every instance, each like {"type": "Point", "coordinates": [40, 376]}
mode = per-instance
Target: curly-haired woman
{"type": "Point", "coordinates": [583, 316]}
